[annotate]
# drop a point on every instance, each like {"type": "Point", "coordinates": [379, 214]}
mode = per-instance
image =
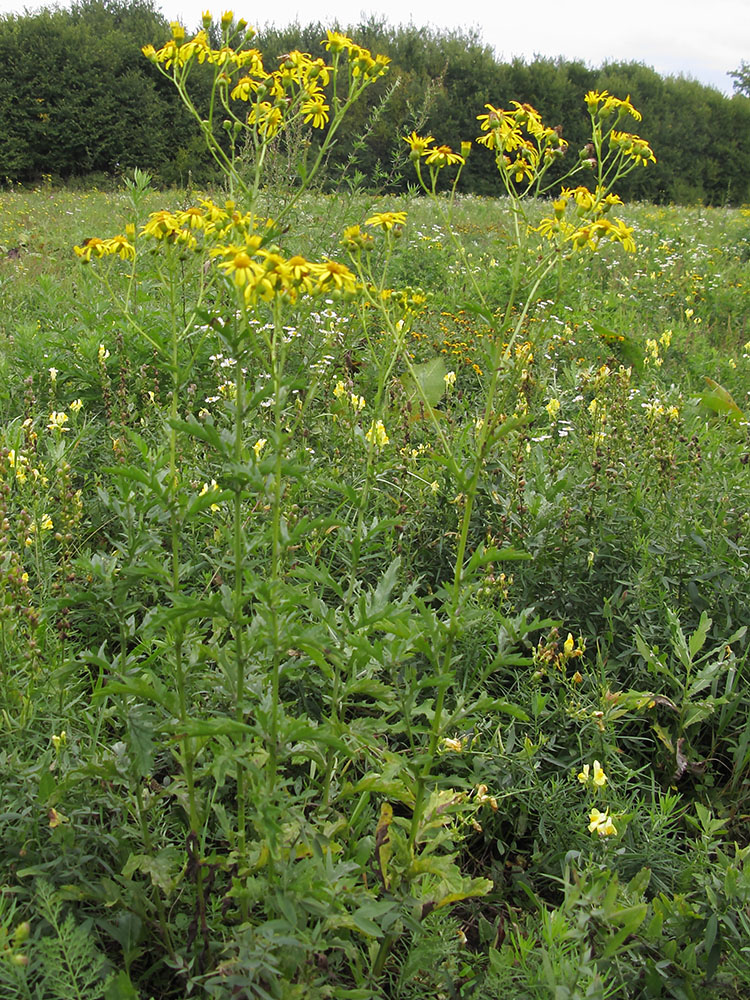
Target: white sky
{"type": "Point", "coordinates": [702, 39]}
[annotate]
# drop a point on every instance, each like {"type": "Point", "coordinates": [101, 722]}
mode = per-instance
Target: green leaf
{"type": "Point", "coordinates": [625, 347]}
{"type": "Point", "coordinates": [121, 988]}
{"type": "Point", "coordinates": [718, 400]}
{"type": "Point", "coordinates": [698, 638]}
{"type": "Point", "coordinates": [162, 869]}
{"type": "Point", "coordinates": [425, 383]}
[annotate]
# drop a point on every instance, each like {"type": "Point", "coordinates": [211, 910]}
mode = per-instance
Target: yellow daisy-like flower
{"type": "Point", "coordinates": [92, 247]}
{"type": "Point", "coordinates": [120, 247]}
{"type": "Point", "coordinates": [386, 220]}
{"type": "Point", "coordinates": [316, 111]}
{"type": "Point", "coordinates": [241, 267]}
{"type": "Point", "coordinates": [419, 144]}
{"type": "Point", "coordinates": [331, 274]}
{"type": "Point", "coordinates": [443, 156]}
{"type": "Point", "coordinates": [336, 42]}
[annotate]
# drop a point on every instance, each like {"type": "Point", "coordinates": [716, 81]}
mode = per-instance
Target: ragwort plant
{"type": "Point", "coordinates": [289, 779]}
{"type": "Point", "coordinates": [267, 883]}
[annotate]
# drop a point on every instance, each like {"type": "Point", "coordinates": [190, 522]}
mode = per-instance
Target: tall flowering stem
{"type": "Point", "coordinates": [525, 149]}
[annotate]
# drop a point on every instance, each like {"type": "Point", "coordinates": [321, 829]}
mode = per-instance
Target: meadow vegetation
{"type": "Point", "coordinates": [373, 572]}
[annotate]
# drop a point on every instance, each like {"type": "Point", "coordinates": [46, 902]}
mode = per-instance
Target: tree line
{"type": "Point", "coordinates": [78, 98]}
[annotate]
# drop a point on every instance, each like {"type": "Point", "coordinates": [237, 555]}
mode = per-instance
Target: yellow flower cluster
{"type": "Point", "coordinates": [521, 140]}
{"type": "Point", "coordinates": [377, 434]}
{"type": "Point", "coordinates": [591, 225]}
{"type": "Point", "coordinates": [117, 246]}
{"type": "Point", "coordinates": [262, 273]}
{"type": "Point", "coordinates": [295, 89]}
{"type": "Point", "coordinates": [602, 104]}
{"type": "Point", "coordinates": [632, 146]}
{"type": "Point", "coordinates": [435, 157]}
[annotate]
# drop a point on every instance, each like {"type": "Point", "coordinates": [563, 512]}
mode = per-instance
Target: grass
{"type": "Point", "coordinates": [261, 737]}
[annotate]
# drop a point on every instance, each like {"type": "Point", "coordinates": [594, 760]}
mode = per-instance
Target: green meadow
{"type": "Point", "coordinates": [374, 576]}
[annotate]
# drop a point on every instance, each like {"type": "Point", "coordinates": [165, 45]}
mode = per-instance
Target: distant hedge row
{"type": "Point", "coordinates": [77, 96]}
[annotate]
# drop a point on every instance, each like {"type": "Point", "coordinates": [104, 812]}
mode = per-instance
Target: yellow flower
{"type": "Point", "coordinates": [59, 741]}
{"type": "Point", "coordinates": [332, 274]}
{"type": "Point", "coordinates": [454, 746]}
{"type": "Point", "coordinates": [377, 434]}
{"type": "Point", "coordinates": [339, 390]}
{"type": "Point", "coordinates": [57, 422]}
{"type": "Point", "coordinates": [569, 645]}
{"type": "Point", "coordinates": [94, 245]}
{"type": "Point", "coordinates": [102, 354]}
{"type": "Point", "coordinates": [76, 406]}
{"type": "Point", "coordinates": [53, 374]}
{"type": "Point", "coordinates": [419, 144]}
{"type": "Point", "coordinates": [449, 378]}
{"type": "Point", "coordinates": [242, 268]}
{"type": "Point", "coordinates": [583, 775]}
{"type": "Point", "coordinates": [601, 823]}
{"type": "Point", "coordinates": [259, 446]}
{"type": "Point", "coordinates": [315, 111]}
{"type": "Point", "coordinates": [46, 523]}
{"type": "Point", "coordinates": [553, 408]}
{"type": "Point", "coordinates": [600, 778]}
{"type": "Point", "coordinates": [443, 156]}
{"type": "Point", "coordinates": [336, 42]}
{"type": "Point", "coordinates": [386, 220]}
{"type": "Point", "coordinates": [56, 818]}
{"type": "Point", "coordinates": [484, 798]}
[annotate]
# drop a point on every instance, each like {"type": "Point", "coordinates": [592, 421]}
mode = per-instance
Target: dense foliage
{"type": "Point", "coordinates": [373, 575]}
{"type": "Point", "coordinates": [76, 96]}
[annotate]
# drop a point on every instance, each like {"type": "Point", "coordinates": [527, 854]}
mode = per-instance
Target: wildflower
{"type": "Point", "coordinates": [453, 745]}
{"type": "Point", "coordinates": [569, 645]}
{"type": "Point", "coordinates": [331, 274]}
{"type": "Point", "coordinates": [419, 144]}
{"type": "Point", "coordinates": [484, 798]}
{"type": "Point", "coordinates": [59, 741]}
{"type": "Point", "coordinates": [377, 434]}
{"type": "Point", "coordinates": [102, 354]}
{"type": "Point", "coordinates": [46, 523]}
{"type": "Point", "coordinates": [57, 422]}
{"type": "Point", "coordinates": [76, 405]}
{"type": "Point", "coordinates": [241, 268]}
{"type": "Point", "coordinates": [601, 823]}
{"type": "Point", "coordinates": [56, 818]}
{"type": "Point", "coordinates": [358, 402]}
{"type": "Point", "coordinates": [259, 446]}
{"type": "Point", "coordinates": [450, 379]}
{"type": "Point", "coordinates": [339, 390]}
{"type": "Point", "coordinates": [53, 374]}
{"type": "Point", "coordinates": [337, 43]}
{"type": "Point", "coordinates": [600, 778]}
{"type": "Point", "coordinates": [443, 156]}
{"type": "Point", "coordinates": [386, 220]}
{"type": "Point", "coordinates": [553, 408]}
{"type": "Point", "coordinates": [584, 775]}
{"type": "Point", "coordinates": [315, 111]}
